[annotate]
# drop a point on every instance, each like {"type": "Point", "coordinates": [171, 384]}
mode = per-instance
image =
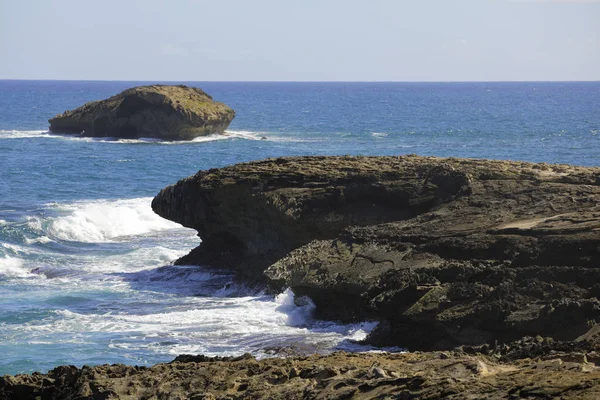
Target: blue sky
{"type": "Point", "coordinates": [301, 40]}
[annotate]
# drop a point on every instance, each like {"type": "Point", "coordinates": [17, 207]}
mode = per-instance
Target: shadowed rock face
{"type": "Point", "coordinates": [157, 111]}
{"type": "Point", "coordinates": [250, 215]}
{"type": "Point", "coordinates": [443, 251]}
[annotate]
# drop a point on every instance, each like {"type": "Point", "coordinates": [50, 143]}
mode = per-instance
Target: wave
{"type": "Point", "coordinates": [99, 221]}
{"type": "Point", "coordinates": [227, 326]}
{"type": "Point", "coordinates": [249, 135]}
{"type": "Point", "coordinates": [228, 135]}
{"type": "Point", "coordinates": [140, 267]}
{"type": "Point", "coordinates": [379, 134]}
{"type": "Point", "coordinates": [299, 311]}
{"type": "Point", "coordinates": [40, 239]}
{"type": "Point", "coordinates": [14, 134]}
{"type": "Point", "coordinates": [13, 268]}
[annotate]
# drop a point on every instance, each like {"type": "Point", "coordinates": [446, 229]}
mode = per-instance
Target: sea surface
{"type": "Point", "coordinates": [86, 274]}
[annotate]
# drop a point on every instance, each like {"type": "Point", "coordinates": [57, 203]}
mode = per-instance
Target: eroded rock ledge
{"type": "Point", "coordinates": [444, 252]}
{"type": "Point", "coordinates": [454, 374]}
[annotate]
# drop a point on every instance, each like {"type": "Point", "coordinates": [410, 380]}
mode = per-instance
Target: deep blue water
{"type": "Point", "coordinates": [85, 274]}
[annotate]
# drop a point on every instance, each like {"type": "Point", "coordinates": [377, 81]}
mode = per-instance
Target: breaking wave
{"type": "Point", "coordinates": [13, 268]}
{"type": "Point", "coordinates": [228, 135]}
{"type": "Point", "coordinates": [13, 134]}
{"type": "Point", "coordinates": [100, 220]}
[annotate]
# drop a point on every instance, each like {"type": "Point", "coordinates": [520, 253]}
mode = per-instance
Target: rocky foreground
{"type": "Point", "coordinates": [432, 375]}
{"type": "Point", "coordinates": [488, 271]}
{"type": "Point", "coordinates": [157, 111]}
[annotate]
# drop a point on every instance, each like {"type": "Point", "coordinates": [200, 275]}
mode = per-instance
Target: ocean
{"type": "Point", "coordinates": [86, 274]}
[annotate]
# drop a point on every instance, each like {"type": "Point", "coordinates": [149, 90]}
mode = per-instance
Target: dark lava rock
{"type": "Point", "coordinates": [444, 252]}
{"type": "Point", "coordinates": [157, 111]}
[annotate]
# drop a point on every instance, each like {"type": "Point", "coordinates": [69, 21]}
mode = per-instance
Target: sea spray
{"type": "Point", "coordinates": [101, 221]}
{"type": "Point", "coordinates": [11, 267]}
{"type": "Point", "coordinates": [299, 311]}
{"type": "Point", "coordinates": [98, 281]}
{"type": "Point", "coordinates": [45, 134]}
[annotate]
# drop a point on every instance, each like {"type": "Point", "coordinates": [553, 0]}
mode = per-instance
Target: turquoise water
{"type": "Point", "coordinates": [86, 274]}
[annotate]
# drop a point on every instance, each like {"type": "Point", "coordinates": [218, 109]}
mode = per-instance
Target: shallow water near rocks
{"type": "Point", "coordinates": [86, 274]}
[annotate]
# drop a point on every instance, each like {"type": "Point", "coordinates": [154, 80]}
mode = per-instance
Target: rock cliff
{"type": "Point", "coordinates": [250, 215]}
{"type": "Point", "coordinates": [443, 252]}
{"type": "Point", "coordinates": [157, 111]}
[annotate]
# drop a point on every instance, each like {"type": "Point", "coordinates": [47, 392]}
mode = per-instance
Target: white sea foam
{"type": "Point", "coordinates": [41, 239]}
{"type": "Point", "coordinates": [156, 256]}
{"type": "Point", "coordinates": [101, 220]}
{"type": "Point", "coordinates": [16, 134]}
{"type": "Point", "coordinates": [19, 251]}
{"type": "Point", "coordinates": [379, 134]}
{"type": "Point", "coordinates": [299, 311]}
{"type": "Point", "coordinates": [249, 135]}
{"type": "Point", "coordinates": [228, 135]}
{"type": "Point", "coordinates": [227, 317]}
{"type": "Point", "coordinates": [14, 248]}
{"type": "Point", "coordinates": [13, 134]}
{"type": "Point", "coordinates": [225, 326]}
{"type": "Point", "coordinates": [13, 267]}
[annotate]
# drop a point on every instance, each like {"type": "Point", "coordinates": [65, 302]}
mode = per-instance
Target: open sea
{"type": "Point", "coordinates": [86, 274]}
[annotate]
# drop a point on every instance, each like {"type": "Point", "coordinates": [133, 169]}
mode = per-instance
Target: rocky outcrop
{"type": "Point", "coordinates": [250, 215]}
{"type": "Point", "coordinates": [443, 252]}
{"type": "Point", "coordinates": [436, 375]}
{"type": "Point", "coordinates": [156, 111]}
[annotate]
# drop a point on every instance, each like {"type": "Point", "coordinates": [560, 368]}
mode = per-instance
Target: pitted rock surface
{"type": "Point", "coordinates": [433, 375]}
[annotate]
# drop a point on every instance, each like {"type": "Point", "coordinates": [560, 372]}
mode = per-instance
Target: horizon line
{"type": "Point", "coordinates": [296, 81]}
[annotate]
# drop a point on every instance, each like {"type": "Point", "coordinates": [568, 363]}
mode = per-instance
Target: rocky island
{"type": "Point", "coordinates": [488, 272]}
{"type": "Point", "coordinates": [156, 111]}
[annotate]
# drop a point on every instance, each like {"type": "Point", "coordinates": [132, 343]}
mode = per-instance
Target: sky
{"type": "Point", "coordinates": [301, 40]}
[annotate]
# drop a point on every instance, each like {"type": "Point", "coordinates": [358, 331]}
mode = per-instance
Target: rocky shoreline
{"type": "Point", "coordinates": [419, 375]}
{"type": "Point", "coordinates": [488, 271]}
{"type": "Point", "coordinates": [444, 252]}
